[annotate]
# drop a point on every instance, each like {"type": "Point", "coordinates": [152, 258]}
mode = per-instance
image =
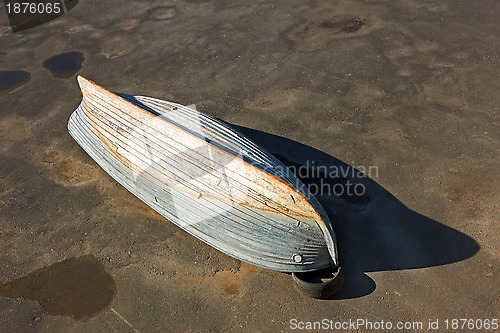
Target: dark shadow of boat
{"type": "Point", "coordinates": [375, 231]}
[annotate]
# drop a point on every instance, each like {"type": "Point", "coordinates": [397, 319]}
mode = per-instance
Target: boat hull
{"type": "Point", "coordinates": [206, 178]}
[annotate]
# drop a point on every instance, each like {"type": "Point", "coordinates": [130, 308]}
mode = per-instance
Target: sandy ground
{"type": "Point", "coordinates": [410, 87]}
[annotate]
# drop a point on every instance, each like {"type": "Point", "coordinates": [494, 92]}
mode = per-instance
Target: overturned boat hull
{"type": "Point", "coordinates": [206, 178]}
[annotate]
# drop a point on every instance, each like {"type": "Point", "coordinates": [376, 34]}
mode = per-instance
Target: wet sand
{"type": "Point", "coordinates": [410, 88]}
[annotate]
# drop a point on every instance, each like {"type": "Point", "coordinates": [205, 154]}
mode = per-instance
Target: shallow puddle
{"type": "Point", "coordinates": [11, 80]}
{"type": "Point", "coordinates": [64, 65]}
{"type": "Point", "coordinates": [76, 287]}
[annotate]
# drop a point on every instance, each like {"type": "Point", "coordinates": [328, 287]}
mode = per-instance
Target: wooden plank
{"type": "Point", "coordinates": [206, 178]}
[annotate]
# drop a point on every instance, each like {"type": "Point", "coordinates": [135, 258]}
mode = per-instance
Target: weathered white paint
{"type": "Point", "coordinates": [206, 178]}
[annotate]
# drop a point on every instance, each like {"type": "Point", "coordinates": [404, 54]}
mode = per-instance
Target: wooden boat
{"type": "Point", "coordinates": [207, 178]}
